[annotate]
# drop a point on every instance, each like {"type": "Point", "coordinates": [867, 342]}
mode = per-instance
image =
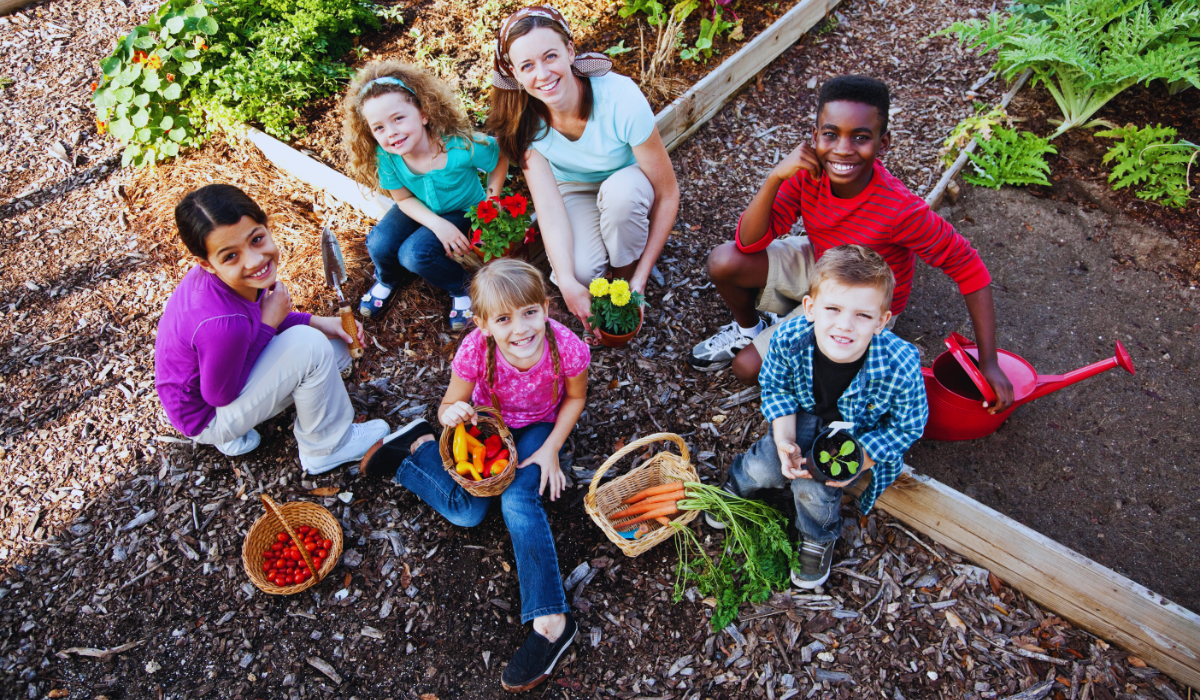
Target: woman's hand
{"type": "Point", "coordinates": [453, 241]}
{"type": "Point", "coordinates": [547, 458]}
{"type": "Point", "coordinates": [331, 326]}
{"type": "Point", "coordinates": [578, 300]}
{"type": "Point", "coordinates": [276, 304]}
{"type": "Point", "coordinates": [457, 413]}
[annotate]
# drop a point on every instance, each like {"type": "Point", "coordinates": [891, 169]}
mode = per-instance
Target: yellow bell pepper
{"type": "Point", "coordinates": [460, 444]}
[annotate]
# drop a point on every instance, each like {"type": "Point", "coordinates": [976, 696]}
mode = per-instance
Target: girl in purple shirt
{"type": "Point", "coordinates": [231, 353]}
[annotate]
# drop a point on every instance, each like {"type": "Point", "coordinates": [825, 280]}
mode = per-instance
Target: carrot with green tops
{"type": "Point", "coordinates": [647, 505]}
{"type": "Point", "coordinates": [669, 487]}
{"type": "Point", "coordinates": [665, 510]}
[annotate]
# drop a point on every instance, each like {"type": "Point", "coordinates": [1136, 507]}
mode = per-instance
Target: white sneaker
{"type": "Point", "coordinates": [362, 436]}
{"type": "Point", "coordinates": [240, 445]}
{"type": "Point", "coordinates": [718, 351]}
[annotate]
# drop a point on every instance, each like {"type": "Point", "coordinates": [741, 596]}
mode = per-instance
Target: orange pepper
{"type": "Point", "coordinates": [477, 461]}
{"type": "Point", "coordinates": [498, 466]}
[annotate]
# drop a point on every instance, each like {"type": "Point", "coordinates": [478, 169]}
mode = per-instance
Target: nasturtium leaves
{"type": "Point", "coordinates": [141, 100]}
{"type": "Point", "coordinates": [131, 151]}
{"type": "Point", "coordinates": [208, 25]}
{"type": "Point", "coordinates": [166, 123]}
{"type": "Point", "coordinates": [189, 67]}
{"type": "Point", "coordinates": [145, 42]}
{"type": "Point", "coordinates": [177, 135]}
{"type": "Point", "coordinates": [104, 99]}
{"type": "Point", "coordinates": [121, 129]}
{"type": "Point", "coordinates": [151, 82]}
{"type": "Point", "coordinates": [144, 135]}
{"type": "Point", "coordinates": [197, 11]}
{"type": "Point", "coordinates": [178, 54]}
{"type": "Point", "coordinates": [140, 118]}
{"type": "Point", "coordinates": [123, 94]}
{"type": "Point", "coordinates": [173, 91]}
{"type": "Point", "coordinates": [175, 24]}
{"type": "Point", "coordinates": [111, 66]}
{"type": "Point", "coordinates": [171, 149]}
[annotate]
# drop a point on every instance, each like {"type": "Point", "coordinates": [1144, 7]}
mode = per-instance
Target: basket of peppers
{"type": "Point", "coordinates": [482, 458]}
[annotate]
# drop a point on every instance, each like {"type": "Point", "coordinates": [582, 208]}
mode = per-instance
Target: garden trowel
{"type": "Point", "coordinates": [335, 276]}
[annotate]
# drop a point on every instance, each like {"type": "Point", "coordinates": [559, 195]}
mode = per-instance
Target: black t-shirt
{"type": "Point", "coordinates": [830, 381]}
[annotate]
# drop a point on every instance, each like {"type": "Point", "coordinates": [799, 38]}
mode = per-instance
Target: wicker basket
{"type": "Point", "coordinates": [489, 423]}
{"type": "Point", "coordinates": [287, 518]}
{"type": "Point", "coordinates": [661, 468]}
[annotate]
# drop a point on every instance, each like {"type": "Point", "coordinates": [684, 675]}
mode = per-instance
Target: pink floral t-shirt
{"type": "Point", "coordinates": [525, 397]}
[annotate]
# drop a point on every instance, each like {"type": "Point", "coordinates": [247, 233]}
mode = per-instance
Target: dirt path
{"type": "Point", "coordinates": [1104, 467]}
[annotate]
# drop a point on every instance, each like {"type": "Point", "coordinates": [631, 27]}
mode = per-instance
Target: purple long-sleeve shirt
{"type": "Point", "coordinates": [209, 338]}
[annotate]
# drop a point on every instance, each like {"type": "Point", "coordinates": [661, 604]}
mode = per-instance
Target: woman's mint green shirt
{"type": "Point", "coordinates": [454, 188]}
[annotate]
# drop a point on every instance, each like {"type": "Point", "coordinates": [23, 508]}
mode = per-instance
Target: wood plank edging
{"type": "Point", "coordinates": [675, 122]}
{"type": "Point", "coordinates": [685, 114]}
{"type": "Point", "coordinates": [1090, 596]}
{"type": "Point", "coordinates": [8, 6]}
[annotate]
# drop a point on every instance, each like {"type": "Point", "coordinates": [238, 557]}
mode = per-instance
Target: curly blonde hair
{"type": "Point", "coordinates": [429, 94]}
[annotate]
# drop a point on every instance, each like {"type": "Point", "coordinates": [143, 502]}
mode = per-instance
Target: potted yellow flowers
{"type": "Point", "coordinates": [616, 311]}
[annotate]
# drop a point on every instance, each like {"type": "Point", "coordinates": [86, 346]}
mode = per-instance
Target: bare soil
{"type": "Point", "coordinates": [116, 530]}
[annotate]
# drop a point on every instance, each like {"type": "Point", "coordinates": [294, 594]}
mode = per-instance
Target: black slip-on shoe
{"type": "Point", "coordinates": [384, 457]}
{"type": "Point", "coordinates": [535, 660]}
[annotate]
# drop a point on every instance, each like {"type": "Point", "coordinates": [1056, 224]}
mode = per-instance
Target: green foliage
{"type": "Point", "coordinates": [615, 307]}
{"type": "Point", "coordinates": [1010, 157]}
{"type": "Point", "coordinates": [199, 65]}
{"type": "Point", "coordinates": [1151, 158]}
{"type": "Point", "coordinates": [653, 9]}
{"type": "Point", "coordinates": [977, 127]}
{"type": "Point", "coordinates": [618, 49]}
{"type": "Point", "coordinates": [1088, 51]}
{"type": "Point", "coordinates": [711, 26]}
{"type": "Point", "coordinates": [756, 557]}
{"type": "Point", "coordinates": [391, 15]}
{"type": "Point", "coordinates": [142, 97]}
{"type": "Point", "coordinates": [835, 462]}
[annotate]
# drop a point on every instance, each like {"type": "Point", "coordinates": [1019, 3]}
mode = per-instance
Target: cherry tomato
{"type": "Point", "coordinates": [327, 544]}
{"type": "Point", "coordinates": [322, 553]}
{"type": "Point", "coordinates": [281, 537]}
{"type": "Point", "coordinates": [310, 547]}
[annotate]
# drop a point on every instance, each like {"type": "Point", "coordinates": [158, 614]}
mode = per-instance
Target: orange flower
{"type": "Point", "coordinates": [154, 62]}
{"type": "Point", "coordinates": [94, 86]}
{"type": "Point", "coordinates": [101, 127]}
{"type": "Point", "coordinates": [199, 43]}
{"type": "Point", "coordinates": [170, 77]}
{"type": "Point", "coordinates": [139, 56]}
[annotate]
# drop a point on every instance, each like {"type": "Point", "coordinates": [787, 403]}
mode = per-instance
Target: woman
{"type": "Point", "coordinates": [602, 182]}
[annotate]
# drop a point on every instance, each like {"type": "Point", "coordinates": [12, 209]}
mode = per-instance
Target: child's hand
{"type": "Point", "coordinates": [790, 460]}
{"type": "Point", "coordinates": [803, 157]}
{"type": "Point", "coordinates": [276, 304]}
{"type": "Point", "coordinates": [453, 241]}
{"type": "Point", "coordinates": [331, 326]}
{"type": "Point", "coordinates": [547, 458]}
{"type": "Point", "coordinates": [458, 413]}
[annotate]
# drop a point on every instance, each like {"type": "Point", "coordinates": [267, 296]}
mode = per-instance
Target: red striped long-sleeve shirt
{"type": "Point", "coordinates": [885, 217]}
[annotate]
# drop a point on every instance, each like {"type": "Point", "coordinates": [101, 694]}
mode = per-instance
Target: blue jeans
{"type": "Point", "coordinates": [533, 543]}
{"type": "Point", "coordinates": [818, 507]}
{"type": "Point", "coordinates": [397, 243]}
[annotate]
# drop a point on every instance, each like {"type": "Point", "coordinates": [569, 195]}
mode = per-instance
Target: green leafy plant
{"type": "Point", "coordinates": [756, 557]}
{"type": "Point", "coordinates": [834, 462]}
{"type": "Point", "coordinates": [392, 15]}
{"type": "Point", "coordinates": [1009, 157]}
{"type": "Point", "coordinates": [1086, 52]}
{"type": "Point", "coordinates": [499, 223]}
{"type": "Point", "coordinates": [711, 26]}
{"type": "Point", "coordinates": [1151, 158]}
{"type": "Point", "coordinates": [653, 9]}
{"type": "Point", "coordinates": [976, 127]}
{"type": "Point", "coordinates": [142, 98]}
{"type": "Point", "coordinates": [619, 49]}
{"type": "Point", "coordinates": [615, 307]}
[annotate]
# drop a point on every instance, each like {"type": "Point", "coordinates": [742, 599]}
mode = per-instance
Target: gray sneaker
{"type": "Point", "coordinates": [718, 352]}
{"type": "Point", "coordinates": [362, 436]}
{"type": "Point", "coordinates": [240, 445]}
{"type": "Point", "coordinates": [815, 560]}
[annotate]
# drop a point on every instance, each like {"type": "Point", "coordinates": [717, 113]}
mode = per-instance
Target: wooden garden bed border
{"type": "Point", "coordinates": [1090, 596]}
{"type": "Point", "coordinates": [675, 122]}
{"type": "Point", "coordinates": [1068, 584]}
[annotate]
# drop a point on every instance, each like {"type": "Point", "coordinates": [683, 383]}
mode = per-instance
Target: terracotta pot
{"type": "Point", "coordinates": [611, 340]}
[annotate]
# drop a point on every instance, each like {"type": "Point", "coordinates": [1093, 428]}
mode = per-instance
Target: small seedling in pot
{"type": "Point", "coordinates": [835, 463]}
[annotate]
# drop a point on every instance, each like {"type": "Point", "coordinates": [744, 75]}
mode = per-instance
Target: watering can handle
{"type": "Point", "coordinates": [957, 343]}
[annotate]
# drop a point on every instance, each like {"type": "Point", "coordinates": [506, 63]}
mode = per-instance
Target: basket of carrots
{"type": "Point", "coordinates": [291, 547]}
{"type": "Point", "coordinates": [481, 458]}
{"type": "Point", "coordinates": [636, 510]}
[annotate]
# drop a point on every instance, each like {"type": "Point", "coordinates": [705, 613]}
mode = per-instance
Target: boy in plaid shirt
{"type": "Point", "coordinates": [837, 362]}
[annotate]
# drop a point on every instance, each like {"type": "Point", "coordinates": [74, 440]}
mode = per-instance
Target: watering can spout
{"type": "Point", "coordinates": [1053, 382]}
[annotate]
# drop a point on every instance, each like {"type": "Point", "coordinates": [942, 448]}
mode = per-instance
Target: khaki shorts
{"type": "Point", "coordinates": [610, 221]}
{"type": "Point", "coordinates": [789, 271]}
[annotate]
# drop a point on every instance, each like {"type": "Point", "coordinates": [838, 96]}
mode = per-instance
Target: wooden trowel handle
{"type": "Point", "coordinates": [351, 328]}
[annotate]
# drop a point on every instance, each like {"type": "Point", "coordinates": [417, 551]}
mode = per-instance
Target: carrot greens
{"type": "Point", "coordinates": [756, 557]}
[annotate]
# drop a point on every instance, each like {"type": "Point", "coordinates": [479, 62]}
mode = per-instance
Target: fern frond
{"type": "Point", "coordinates": [1010, 158]}
{"type": "Point", "coordinates": [1151, 157]}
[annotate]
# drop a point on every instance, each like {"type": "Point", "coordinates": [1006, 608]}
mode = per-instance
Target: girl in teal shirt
{"type": "Point", "coordinates": [407, 136]}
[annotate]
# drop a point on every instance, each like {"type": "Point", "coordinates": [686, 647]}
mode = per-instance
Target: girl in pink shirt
{"type": "Point", "coordinates": [535, 371]}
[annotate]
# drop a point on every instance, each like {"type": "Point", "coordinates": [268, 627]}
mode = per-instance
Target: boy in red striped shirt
{"type": "Point", "coordinates": [844, 197]}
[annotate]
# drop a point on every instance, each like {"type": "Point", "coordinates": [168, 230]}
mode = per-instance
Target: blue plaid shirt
{"type": "Point", "coordinates": [885, 401]}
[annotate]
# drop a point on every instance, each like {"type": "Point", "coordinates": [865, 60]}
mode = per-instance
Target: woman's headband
{"type": "Point", "coordinates": [586, 65]}
{"type": "Point", "coordinates": [385, 80]}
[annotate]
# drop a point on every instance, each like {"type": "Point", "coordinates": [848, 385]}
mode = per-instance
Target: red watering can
{"type": "Point", "coordinates": [956, 388]}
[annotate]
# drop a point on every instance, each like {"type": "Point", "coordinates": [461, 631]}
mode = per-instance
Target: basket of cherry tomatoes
{"type": "Point", "coordinates": [291, 547]}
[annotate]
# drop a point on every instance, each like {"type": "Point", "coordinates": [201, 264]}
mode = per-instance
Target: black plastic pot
{"type": "Point", "coordinates": [824, 443]}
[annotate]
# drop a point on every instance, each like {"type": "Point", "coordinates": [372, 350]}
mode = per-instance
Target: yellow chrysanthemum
{"type": "Point", "coordinates": [599, 287]}
{"type": "Point", "coordinates": [620, 297]}
{"type": "Point", "coordinates": [619, 287]}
